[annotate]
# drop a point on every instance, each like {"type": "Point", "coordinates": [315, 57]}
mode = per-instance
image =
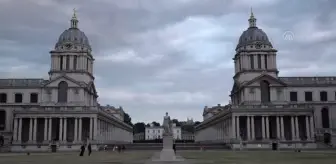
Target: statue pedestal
{"type": "Point", "coordinates": [167, 153]}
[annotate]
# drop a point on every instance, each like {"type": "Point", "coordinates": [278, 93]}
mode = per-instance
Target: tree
{"type": "Point", "coordinates": [188, 128]}
{"type": "Point", "coordinates": [128, 119]}
{"type": "Point", "coordinates": [175, 121]}
{"type": "Point", "coordinates": [148, 125]}
{"type": "Point", "coordinates": [139, 127]}
{"type": "Point", "coordinates": [155, 123]}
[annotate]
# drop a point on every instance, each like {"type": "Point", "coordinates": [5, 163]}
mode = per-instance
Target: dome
{"type": "Point", "coordinates": [253, 35]}
{"type": "Point", "coordinates": [73, 37]}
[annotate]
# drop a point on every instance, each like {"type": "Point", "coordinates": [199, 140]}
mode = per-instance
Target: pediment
{"type": "Point", "coordinates": [55, 82]}
{"type": "Point", "coordinates": [270, 79]}
{"type": "Point", "coordinates": [92, 88]}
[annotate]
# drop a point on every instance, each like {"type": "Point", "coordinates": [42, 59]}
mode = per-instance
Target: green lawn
{"type": "Point", "coordinates": [260, 157]}
{"type": "Point", "coordinates": [73, 158]}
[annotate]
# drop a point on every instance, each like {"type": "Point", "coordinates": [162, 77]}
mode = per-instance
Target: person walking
{"type": "Point", "coordinates": [174, 147]}
{"type": "Point", "coordinates": [89, 149]}
{"type": "Point", "coordinates": [82, 150]}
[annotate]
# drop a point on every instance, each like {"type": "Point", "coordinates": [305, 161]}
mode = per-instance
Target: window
{"type": "Point", "coordinates": [3, 97]}
{"type": "Point", "coordinates": [62, 92]}
{"type": "Point", "coordinates": [33, 97]}
{"type": "Point", "coordinates": [308, 96]}
{"type": "Point", "coordinates": [67, 64]}
{"type": "Point", "coordinates": [265, 60]}
{"type": "Point", "coordinates": [324, 96]}
{"type": "Point", "coordinates": [240, 66]}
{"type": "Point", "coordinates": [252, 61]}
{"type": "Point", "coordinates": [259, 61]}
{"type": "Point", "coordinates": [87, 63]}
{"type": "Point", "coordinates": [18, 98]}
{"type": "Point", "coordinates": [75, 63]}
{"type": "Point", "coordinates": [293, 96]}
{"type": "Point", "coordinates": [61, 62]}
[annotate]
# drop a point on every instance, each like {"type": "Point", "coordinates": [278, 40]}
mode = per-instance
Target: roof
{"type": "Point", "coordinates": [22, 82]}
{"type": "Point", "coordinates": [310, 81]}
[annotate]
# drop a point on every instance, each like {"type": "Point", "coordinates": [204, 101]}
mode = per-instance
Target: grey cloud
{"type": "Point", "coordinates": [30, 29]}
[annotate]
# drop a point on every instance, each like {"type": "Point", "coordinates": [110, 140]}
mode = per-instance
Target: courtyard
{"type": "Point", "coordinates": [197, 157]}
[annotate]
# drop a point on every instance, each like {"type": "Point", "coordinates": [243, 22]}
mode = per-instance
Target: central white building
{"type": "Point", "coordinates": [63, 110]}
{"type": "Point", "coordinates": [156, 132]}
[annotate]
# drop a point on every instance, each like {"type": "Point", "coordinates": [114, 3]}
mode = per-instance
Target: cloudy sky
{"type": "Point", "coordinates": [154, 56]}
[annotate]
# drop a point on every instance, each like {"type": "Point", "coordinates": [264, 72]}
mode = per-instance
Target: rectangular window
{"type": "Point", "coordinates": [67, 64]}
{"type": "Point", "coordinates": [293, 96]}
{"type": "Point", "coordinates": [324, 96]}
{"type": "Point", "coordinates": [33, 98]}
{"type": "Point", "coordinates": [265, 60]}
{"type": "Point", "coordinates": [252, 61]}
{"type": "Point", "coordinates": [308, 96]}
{"type": "Point", "coordinates": [240, 64]}
{"type": "Point", "coordinates": [18, 98]}
{"type": "Point", "coordinates": [61, 62]}
{"type": "Point", "coordinates": [3, 98]}
{"type": "Point", "coordinates": [75, 63]}
{"type": "Point", "coordinates": [259, 61]}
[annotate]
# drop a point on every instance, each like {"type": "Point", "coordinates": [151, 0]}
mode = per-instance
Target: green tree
{"type": "Point", "coordinates": [128, 119]}
{"type": "Point", "coordinates": [139, 127]}
{"type": "Point", "coordinates": [155, 123]}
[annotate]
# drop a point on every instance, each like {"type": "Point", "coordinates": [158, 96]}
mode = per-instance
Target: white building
{"type": "Point", "coordinates": [63, 108]}
{"type": "Point", "coordinates": [155, 132]}
{"type": "Point", "coordinates": [285, 111]}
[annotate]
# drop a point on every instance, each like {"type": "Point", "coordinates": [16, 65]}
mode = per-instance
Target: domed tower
{"type": "Point", "coordinates": [72, 55]}
{"type": "Point", "coordinates": [254, 54]}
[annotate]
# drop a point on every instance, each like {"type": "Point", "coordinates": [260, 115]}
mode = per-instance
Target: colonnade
{"type": "Point", "coordinates": [108, 132]}
{"type": "Point", "coordinates": [230, 128]}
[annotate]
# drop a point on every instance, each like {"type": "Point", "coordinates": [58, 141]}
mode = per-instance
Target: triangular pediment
{"type": "Point", "coordinates": [71, 82]}
{"type": "Point", "coordinates": [265, 77]}
{"type": "Point", "coordinates": [92, 88]}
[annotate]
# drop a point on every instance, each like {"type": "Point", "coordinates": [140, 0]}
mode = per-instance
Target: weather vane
{"type": "Point", "coordinates": [74, 12]}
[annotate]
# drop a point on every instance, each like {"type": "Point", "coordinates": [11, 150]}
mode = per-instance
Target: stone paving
{"type": "Point", "coordinates": [190, 157]}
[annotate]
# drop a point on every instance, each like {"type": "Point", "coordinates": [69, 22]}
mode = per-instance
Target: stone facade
{"type": "Point", "coordinates": [63, 110]}
{"type": "Point", "coordinates": [156, 132]}
{"type": "Point", "coordinates": [267, 110]}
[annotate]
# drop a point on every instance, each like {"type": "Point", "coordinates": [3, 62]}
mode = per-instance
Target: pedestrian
{"type": "Point", "coordinates": [119, 148]}
{"type": "Point", "coordinates": [89, 149]}
{"type": "Point", "coordinates": [123, 148]}
{"type": "Point", "coordinates": [174, 148]}
{"type": "Point", "coordinates": [82, 150]}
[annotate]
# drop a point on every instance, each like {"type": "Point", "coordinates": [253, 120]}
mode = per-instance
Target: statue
{"type": "Point", "coordinates": [167, 126]}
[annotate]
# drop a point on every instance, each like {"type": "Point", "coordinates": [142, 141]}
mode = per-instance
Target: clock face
{"type": "Point", "coordinates": [258, 45]}
{"type": "Point", "coordinates": [68, 45]}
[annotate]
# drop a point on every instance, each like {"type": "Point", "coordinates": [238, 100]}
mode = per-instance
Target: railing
{"type": "Point", "coordinates": [272, 106]}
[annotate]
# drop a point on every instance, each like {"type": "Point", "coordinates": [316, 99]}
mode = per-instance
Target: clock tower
{"type": "Point", "coordinates": [72, 55]}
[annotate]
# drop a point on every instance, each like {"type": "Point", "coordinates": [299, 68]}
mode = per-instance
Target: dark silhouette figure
{"type": "Point", "coordinates": [174, 148]}
{"type": "Point", "coordinates": [82, 150]}
{"type": "Point", "coordinates": [89, 149]}
{"type": "Point", "coordinates": [123, 148]}
{"type": "Point", "coordinates": [119, 148]}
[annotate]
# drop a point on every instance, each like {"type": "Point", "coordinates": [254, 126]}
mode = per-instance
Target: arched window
{"type": "Point", "coordinates": [325, 118]}
{"type": "Point", "coordinates": [63, 92]}
{"type": "Point", "coordinates": [265, 91]}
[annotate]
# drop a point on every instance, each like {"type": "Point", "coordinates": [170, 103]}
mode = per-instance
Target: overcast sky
{"type": "Point", "coordinates": [154, 56]}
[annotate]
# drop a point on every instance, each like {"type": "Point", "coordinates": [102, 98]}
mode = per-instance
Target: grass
{"type": "Point", "coordinates": [260, 157]}
{"type": "Point", "coordinates": [73, 158]}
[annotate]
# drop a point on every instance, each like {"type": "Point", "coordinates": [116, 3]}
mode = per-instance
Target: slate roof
{"type": "Point", "coordinates": [22, 82]}
{"type": "Point", "coordinates": [314, 81]}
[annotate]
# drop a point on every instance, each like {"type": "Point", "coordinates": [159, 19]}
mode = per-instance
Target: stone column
{"type": "Point", "coordinates": [30, 129]}
{"type": "Point", "coordinates": [267, 128]}
{"type": "Point", "coordinates": [282, 128]}
{"type": "Point", "coordinates": [238, 128]}
{"type": "Point", "coordinates": [35, 130]}
{"type": "Point", "coordinates": [15, 130]}
{"type": "Point", "coordinates": [91, 128]}
{"type": "Point", "coordinates": [233, 126]}
{"type": "Point", "coordinates": [76, 130]}
{"type": "Point", "coordinates": [297, 128]}
{"type": "Point", "coordinates": [65, 129]}
{"type": "Point", "coordinates": [95, 128]}
{"type": "Point", "coordinates": [45, 137]}
{"type": "Point", "coordinates": [80, 129]}
{"type": "Point", "coordinates": [278, 127]}
{"type": "Point", "coordinates": [307, 128]}
{"type": "Point", "coordinates": [50, 129]}
{"type": "Point", "coordinates": [60, 129]}
{"type": "Point", "coordinates": [248, 128]}
{"type": "Point", "coordinates": [293, 128]}
{"type": "Point", "coordinates": [312, 133]}
{"type": "Point", "coordinates": [20, 130]}
{"type": "Point", "coordinates": [263, 127]}
{"type": "Point", "coordinates": [252, 127]}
